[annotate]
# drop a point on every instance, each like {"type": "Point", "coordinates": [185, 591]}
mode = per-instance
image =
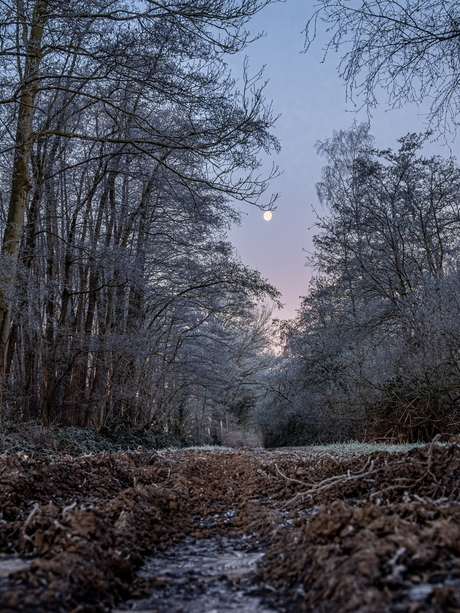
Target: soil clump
{"type": "Point", "coordinates": [375, 533]}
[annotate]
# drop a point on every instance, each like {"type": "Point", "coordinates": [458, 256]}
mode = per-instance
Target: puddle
{"type": "Point", "coordinates": [10, 564]}
{"type": "Point", "coordinates": [205, 576]}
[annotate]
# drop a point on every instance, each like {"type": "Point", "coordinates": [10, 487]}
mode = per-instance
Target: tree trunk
{"type": "Point", "coordinates": [20, 184]}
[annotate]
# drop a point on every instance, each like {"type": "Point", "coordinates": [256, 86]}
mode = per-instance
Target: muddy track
{"type": "Point", "coordinates": [378, 533]}
{"type": "Point", "coordinates": [209, 575]}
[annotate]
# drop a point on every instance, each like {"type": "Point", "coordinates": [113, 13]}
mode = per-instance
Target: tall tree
{"type": "Point", "coordinates": [139, 79]}
{"type": "Point", "coordinates": [376, 341]}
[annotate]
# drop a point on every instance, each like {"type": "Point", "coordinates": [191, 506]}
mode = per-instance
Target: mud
{"type": "Point", "coordinates": [200, 576]}
{"type": "Point", "coordinates": [377, 533]}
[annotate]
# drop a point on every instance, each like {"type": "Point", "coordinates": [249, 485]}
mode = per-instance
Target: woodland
{"type": "Point", "coordinates": [130, 328]}
{"type": "Point", "coordinates": [125, 146]}
{"type": "Point", "coordinates": [126, 149]}
{"type": "Point", "coordinates": [374, 351]}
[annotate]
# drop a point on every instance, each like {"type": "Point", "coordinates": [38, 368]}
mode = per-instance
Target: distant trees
{"type": "Point", "coordinates": [376, 344]}
{"type": "Point", "coordinates": [408, 48]}
{"type": "Point", "coordinates": [122, 140]}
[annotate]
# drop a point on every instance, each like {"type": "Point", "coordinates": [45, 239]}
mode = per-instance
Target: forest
{"type": "Point", "coordinates": [374, 351]}
{"type": "Point", "coordinates": [167, 444]}
{"type": "Point", "coordinates": [127, 147]}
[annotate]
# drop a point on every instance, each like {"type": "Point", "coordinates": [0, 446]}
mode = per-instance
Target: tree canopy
{"type": "Point", "coordinates": [124, 143]}
{"type": "Point", "coordinates": [375, 346]}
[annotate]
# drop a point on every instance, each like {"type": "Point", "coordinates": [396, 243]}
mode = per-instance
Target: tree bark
{"type": "Point", "coordinates": [20, 183]}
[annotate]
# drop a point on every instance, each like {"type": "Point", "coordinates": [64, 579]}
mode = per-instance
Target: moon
{"type": "Point", "coordinates": [268, 215]}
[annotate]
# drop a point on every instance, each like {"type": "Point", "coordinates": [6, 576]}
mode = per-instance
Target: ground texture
{"type": "Point", "coordinates": [375, 533]}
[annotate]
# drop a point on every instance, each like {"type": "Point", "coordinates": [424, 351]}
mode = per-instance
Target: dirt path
{"type": "Point", "coordinates": [378, 533]}
{"type": "Point", "coordinates": [200, 576]}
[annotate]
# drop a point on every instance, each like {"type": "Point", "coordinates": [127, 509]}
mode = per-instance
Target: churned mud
{"type": "Point", "coordinates": [250, 531]}
{"type": "Point", "coordinates": [200, 576]}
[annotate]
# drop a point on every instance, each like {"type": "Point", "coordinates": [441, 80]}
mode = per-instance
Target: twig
{"type": "Point", "coordinates": [332, 481]}
{"type": "Point", "coordinates": [428, 466]}
{"type": "Point", "coordinates": [30, 516]}
{"type": "Point", "coordinates": [292, 479]}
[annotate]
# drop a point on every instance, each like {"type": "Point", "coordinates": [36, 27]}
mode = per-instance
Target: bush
{"type": "Point", "coordinates": [36, 440]}
{"type": "Point", "coordinates": [413, 410]}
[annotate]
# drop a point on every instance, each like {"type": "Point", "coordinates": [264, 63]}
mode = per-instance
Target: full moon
{"type": "Point", "coordinates": [268, 215]}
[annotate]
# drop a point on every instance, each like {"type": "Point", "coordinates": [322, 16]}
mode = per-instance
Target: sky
{"type": "Point", "coordinates": [311, 99]}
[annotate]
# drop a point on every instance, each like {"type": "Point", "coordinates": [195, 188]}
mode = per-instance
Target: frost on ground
{"type": "Point", "coordinates": [369, 533]}
{"type": "Point", "coordinates": [357, 448]}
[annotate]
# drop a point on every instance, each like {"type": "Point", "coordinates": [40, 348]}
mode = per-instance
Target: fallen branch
{"type": "Point", "coordinates": [329, 483]}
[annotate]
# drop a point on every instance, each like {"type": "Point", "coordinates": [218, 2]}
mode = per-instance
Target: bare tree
{"type": "Point", "coordinates": [376, 340]}
{"type": "Point", "coordinates": [114, 78]}
{"type": "Point", "coordinates": [126, 291]}
{"type": "Point", "coordinates": [408, 48]}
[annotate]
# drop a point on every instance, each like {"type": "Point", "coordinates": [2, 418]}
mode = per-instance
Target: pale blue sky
{"type": "Point", "coordinates": [311, 99]}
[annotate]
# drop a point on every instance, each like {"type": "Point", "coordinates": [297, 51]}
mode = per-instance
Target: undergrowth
{"type": "Point", "coordinates": [34, 440]}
